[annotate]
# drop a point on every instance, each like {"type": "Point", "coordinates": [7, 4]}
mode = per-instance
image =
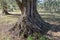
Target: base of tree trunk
{"type": "Point", "coordinates": [5, 12]}
{"type": "Point", "coordinates": [27, 25]}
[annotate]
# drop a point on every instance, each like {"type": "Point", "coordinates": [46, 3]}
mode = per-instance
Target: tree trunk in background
{"type": "Point", "coordinates": [4, 6]}
{"type": "Point", "coordinates": [30, 21]}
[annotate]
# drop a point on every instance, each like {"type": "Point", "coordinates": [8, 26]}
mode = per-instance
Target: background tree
{"type": "Point", "coordinates": [4, 6]}
{"type": "Point", "coordinates": [51, 5]}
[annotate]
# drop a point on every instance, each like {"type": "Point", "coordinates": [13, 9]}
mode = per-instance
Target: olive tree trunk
{"type": "Point", "coordinates": [30, 21]}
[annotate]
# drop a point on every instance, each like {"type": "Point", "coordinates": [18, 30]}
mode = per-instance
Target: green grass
{"type": "Point", "coordinates": [35, 35]}
{"type": "Point", "coordinates": [30, 38]}
{"type": "Point", "coordinates": [40, 38]}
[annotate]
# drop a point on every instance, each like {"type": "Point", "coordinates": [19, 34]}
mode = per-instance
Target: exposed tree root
{"type": "Point", "coordinates": [6, 12]}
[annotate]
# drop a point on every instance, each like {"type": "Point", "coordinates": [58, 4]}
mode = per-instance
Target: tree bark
{"type": "Point", "coordinates": [20, 5]}
{"type": "Point", "coordinates": [30, 22]}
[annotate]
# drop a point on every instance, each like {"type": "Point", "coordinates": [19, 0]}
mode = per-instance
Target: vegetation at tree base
{"type": "Point", "coordinates": [40, 37]}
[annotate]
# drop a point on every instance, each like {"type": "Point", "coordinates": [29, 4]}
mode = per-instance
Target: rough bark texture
{"type": "Point", "coordinates": [20, 4]}
{"type": "Point", "coordinates": [30, 22]}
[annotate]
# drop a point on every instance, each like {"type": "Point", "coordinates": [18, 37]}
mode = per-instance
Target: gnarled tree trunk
{"type": "Point", "coordinates": [30, 21]}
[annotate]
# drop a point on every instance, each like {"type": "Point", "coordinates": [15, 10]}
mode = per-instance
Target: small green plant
{"type": "Point", "coordinates": [43, 38]}
{"type": "Point", "coordinates": [37, 37]}
{"type": "Point", "coordinates": [30, 38]}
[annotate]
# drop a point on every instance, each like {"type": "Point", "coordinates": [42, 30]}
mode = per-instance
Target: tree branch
{"type": "Point", "coordinates": [20, 4]}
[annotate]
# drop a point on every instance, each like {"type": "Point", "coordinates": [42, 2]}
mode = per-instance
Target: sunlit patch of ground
{"type": "Point", "coordinates": [6, 22]}
{"type": "Point", "coordinates": [4, 36]}
{"type": "Point", "coordinates": [7, 19]}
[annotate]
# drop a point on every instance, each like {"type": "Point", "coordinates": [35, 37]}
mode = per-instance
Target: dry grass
{"type": "Point", "coordinates": [4, 36]}
{"type": "Point", "coordinates": [8, 19]}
